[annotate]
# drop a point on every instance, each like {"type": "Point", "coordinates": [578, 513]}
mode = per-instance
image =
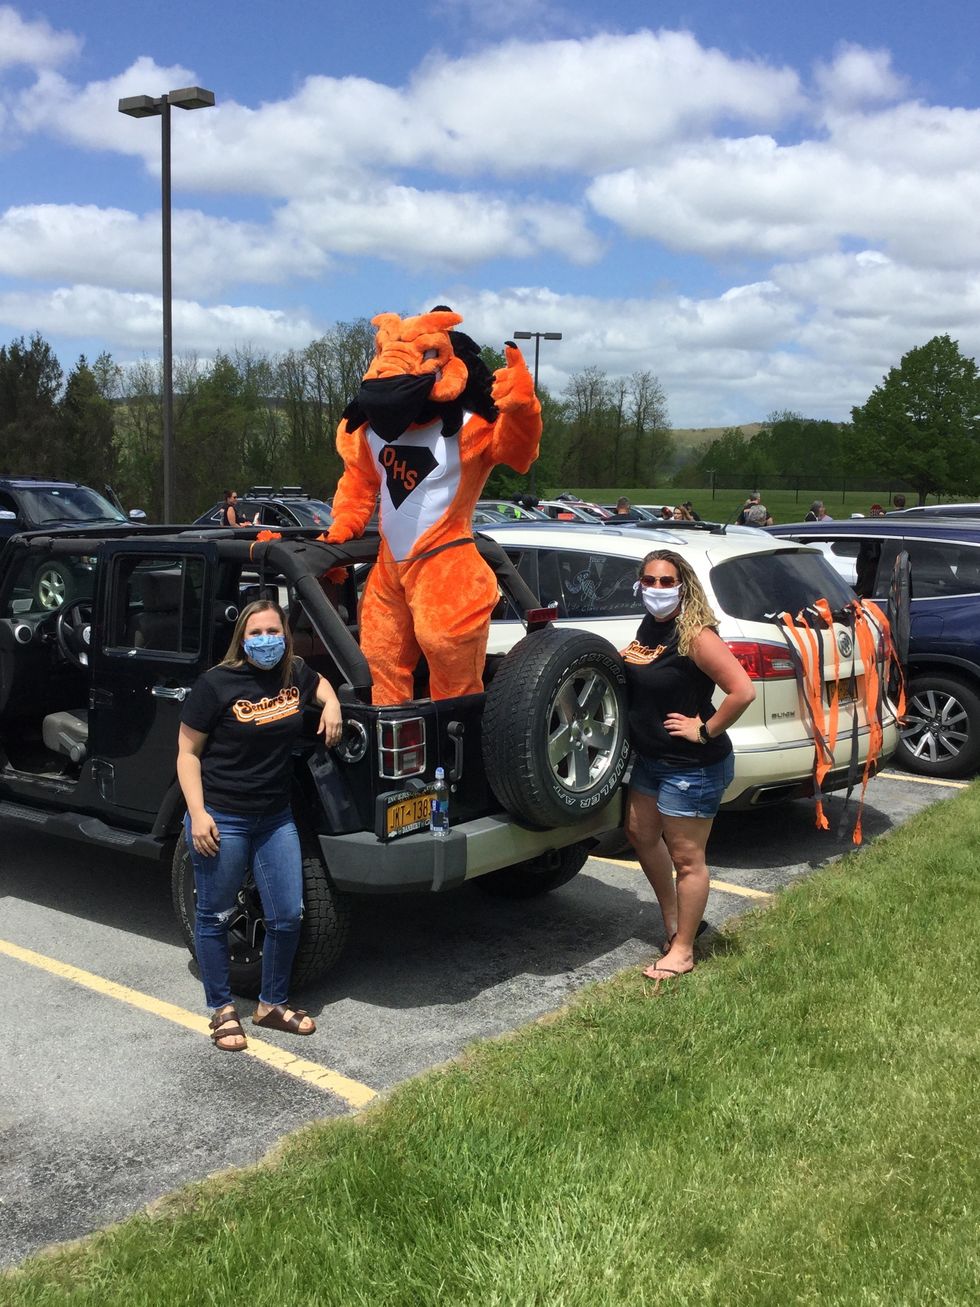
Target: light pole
{"type": "Point", "coordinates": [537, 337]}
{"type": "Point", "coordinates": [149, 106]}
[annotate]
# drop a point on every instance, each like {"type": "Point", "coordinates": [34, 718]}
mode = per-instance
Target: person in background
{"type": "Point", "coordinates": [684, 756]}
{"type": "Point", "coordinates": [667, 513]}
{"type": "Point", "coordinates": [818, 513]}
{"type": "Point", "coordinates": [876, 510]}
{"type": "Point", "coordinates": [235, 764]}
{"type": "Point", "coordinates": [229, 516]}
{"type": "Point", "coordinates": [681, 514]}
{"type": "Point", "coordinates": [754, 511]}
{"type": "Point", "coordinates": [695, 517]}
{"type": "Point", "coordinates": [898, 501]}
{"type": "Point", "coordinates": [625, 509]}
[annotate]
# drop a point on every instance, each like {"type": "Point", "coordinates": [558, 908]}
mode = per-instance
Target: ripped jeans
{"type": "Point", "coordinates": [270, 845]}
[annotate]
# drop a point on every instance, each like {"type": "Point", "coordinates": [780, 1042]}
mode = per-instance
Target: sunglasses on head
{"type": "Point", "coordinates": [648, 582]}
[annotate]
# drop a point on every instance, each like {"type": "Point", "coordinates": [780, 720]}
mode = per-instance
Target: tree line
{"type": "Point", "coordinates": [247, 418]}
{"type": "Point", "coordinates": [920, 425]}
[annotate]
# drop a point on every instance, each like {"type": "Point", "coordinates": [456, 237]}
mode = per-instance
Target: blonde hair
{"type": "Point", "coordinates": [696, 613]}
{"type": "Point", "coordinates": [235, 654]}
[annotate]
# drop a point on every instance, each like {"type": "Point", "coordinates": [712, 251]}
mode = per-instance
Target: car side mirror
{"type": "Point", "coordinates": [7, 516]}
{"type": "Point", "coordinates": [137, 515]}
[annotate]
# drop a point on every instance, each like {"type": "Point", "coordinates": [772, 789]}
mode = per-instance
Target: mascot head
{"type": "Point", "coordinates": [422, 371]}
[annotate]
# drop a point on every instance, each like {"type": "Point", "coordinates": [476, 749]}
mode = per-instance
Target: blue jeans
{"type": "Point", "coordinates": [270, 845]}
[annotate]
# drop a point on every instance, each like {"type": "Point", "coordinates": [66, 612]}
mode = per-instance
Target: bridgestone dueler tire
{"type": "Point", "coordinates": [538, 875]}
{"type": "Point", "coordinates": [554, 727]}
{"type": "Point", "coordinates": [326, 922]}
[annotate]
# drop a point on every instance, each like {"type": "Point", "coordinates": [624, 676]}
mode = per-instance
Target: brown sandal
{"type": "Point", "coordinates": [227, 1017]}
{"type": "Point", "coordinates": [275, 1019]}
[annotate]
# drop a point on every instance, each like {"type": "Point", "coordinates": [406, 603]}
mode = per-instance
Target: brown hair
{"type": "Point", "coordinates": [235, 654]}
{"type": "Point", "coordinates": [696, 613]}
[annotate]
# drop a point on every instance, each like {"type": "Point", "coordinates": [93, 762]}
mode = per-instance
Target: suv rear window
{"type": "Point", "coordinates": [755, 587]}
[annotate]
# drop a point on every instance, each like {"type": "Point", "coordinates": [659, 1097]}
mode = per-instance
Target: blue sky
{"type": "Point", "coordinates": [763, 206]}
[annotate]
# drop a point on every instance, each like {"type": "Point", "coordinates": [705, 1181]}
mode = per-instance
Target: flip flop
{"type": "Point", "coordinates": [275, 1019]}
{"type": "Point", "coordinates": [665, 972]}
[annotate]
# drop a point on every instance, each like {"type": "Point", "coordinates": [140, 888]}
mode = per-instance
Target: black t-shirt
{"type": "Point", "coordinates": [252, 722]}
{"type": "Point", "coordinates": [659, 682]}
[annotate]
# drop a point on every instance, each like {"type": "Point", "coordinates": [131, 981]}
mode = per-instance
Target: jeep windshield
{"type": "Point", "coordinates": [756, 586]}
{"type": "Point", "coordinates": [59, 505]}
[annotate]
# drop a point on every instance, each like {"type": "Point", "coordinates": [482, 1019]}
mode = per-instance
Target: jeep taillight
{"type": "Point", "coordinates": [762, 661]}
{"type": "Point", "coordinates": [401, 747]}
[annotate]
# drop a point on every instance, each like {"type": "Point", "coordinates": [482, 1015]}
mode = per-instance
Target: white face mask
{"type": "Point", "coordinates": [659, 601]}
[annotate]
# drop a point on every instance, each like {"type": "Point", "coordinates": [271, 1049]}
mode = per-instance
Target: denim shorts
{"type": "Point", "coordinates": [683, 791]}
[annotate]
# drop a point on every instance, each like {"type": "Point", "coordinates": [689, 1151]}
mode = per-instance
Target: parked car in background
{"type": "Point", "coordinates": [589, 573]}
{"type": "Point", "coordinates": [513, 512]}
{"type": "Point", "coordinates": [289, 506]}
{"type": "Point", "coordinates": [941, 733]}
{"type": "Point", "coordinates": [937, 510]}
{"type": "Point", "coordinates": [32, 503]}
{"type": "Point", "coordinates": [563, 510]}
{"type": "Point", "coordinates": [644, 514]}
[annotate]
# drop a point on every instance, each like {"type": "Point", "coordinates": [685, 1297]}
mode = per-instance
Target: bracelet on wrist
{"type": "Point", "coordinates": [703, 736]}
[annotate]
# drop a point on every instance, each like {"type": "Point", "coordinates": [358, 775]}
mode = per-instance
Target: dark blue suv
{"type": "Point", "coordinates": [941, 736]}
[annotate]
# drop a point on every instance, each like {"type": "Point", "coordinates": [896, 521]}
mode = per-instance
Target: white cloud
{"type": "Point", "coordinates": [132, 321]}
{"type": "Point", "coordinates": [513, 108]}
{"type": "Point", "coordinates": [420, 228]}
{"type": "Point", "coordinates": [115, 248]}
{"type": "Point", "coordinates": [33, 44]}
{"type": "Point", "coordinates": [858, 76]}
{"type": "Point", "coordinates": [753, 196]}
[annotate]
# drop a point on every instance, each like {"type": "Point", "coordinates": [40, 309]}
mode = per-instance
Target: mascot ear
{"type": "Point", "coordinates": [476, 394]}
{"type": "Point", "coordinates": [354, 415]}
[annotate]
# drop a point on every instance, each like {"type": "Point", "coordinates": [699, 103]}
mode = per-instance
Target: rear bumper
{"type": "Point", "coordinates": [361, 864]}
{"type": "Point", "coordinates": [775, 774]}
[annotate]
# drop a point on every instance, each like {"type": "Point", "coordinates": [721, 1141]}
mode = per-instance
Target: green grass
{"type": "Point", "coordinates": [784, 505]}
{"type": "Point", "coordinates": [796, 1122]}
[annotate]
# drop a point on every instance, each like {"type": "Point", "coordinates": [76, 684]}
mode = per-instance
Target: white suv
{"type": "Point", "coordinates": [748, 577]}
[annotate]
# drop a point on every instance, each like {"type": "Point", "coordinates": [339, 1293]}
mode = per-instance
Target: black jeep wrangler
{"type": "Point", "coordinates": [90, 698]}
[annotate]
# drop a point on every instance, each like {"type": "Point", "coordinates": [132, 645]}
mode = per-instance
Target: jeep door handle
{"type": "Point", "coordinates": [165, 692]}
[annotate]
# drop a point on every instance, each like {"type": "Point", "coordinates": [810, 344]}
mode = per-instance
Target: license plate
{"type": "Point", "coordinates": [846, 691]}
{"type": "Point", "coordinates": [405, 813]}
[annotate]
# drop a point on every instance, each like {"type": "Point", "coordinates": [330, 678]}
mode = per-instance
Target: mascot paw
{"type": "Point", "coordinates": [513, 386]}
{"type": "Point", "coordinates": [338, 535]}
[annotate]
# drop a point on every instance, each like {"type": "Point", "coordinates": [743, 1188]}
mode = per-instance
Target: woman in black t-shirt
{"type": "Point", "coordinates": [234, 764]}
{"type": "Point", "coordinates": [684, 756]}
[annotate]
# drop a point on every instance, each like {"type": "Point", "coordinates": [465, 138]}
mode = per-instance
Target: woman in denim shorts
{"type": "Point", "coordinates": [684, 756]}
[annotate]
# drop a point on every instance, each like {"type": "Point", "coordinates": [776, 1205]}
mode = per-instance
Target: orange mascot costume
{"type": "Point", "coordinates": [428, 425]}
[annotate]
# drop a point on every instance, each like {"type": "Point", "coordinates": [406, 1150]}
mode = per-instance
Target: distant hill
{"type": "Point", "coordinates": [689, 438]}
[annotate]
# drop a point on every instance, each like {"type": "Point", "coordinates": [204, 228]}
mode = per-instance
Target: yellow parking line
{"type": "Point", "coordinates": [351, 1091]}
{"type": "Point", "coordinates": [922, 780]}
{"type": "Point", "coordinates": [725, 886]}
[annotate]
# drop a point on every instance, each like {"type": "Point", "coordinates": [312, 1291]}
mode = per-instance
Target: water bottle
{"type": "Point", "coordinates": [439, 814]}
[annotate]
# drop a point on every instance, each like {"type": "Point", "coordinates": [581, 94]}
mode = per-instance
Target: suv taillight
{"type": "Point", "coordinates": [401, 747]}
{"type": "Point", "coordinates": [762, 661]}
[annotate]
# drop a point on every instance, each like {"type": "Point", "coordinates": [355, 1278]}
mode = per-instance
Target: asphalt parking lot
{"type": "Point", "coordinates": [111, 1094]}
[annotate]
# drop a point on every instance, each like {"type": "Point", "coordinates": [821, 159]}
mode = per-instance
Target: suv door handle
{"type": "Point", "coordinates": [165, 692]}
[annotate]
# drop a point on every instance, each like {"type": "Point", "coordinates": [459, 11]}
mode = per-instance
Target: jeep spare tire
{"type": "Point", "coordinates": [554, 727]}
{"type": "Point", "coordinates": [326, 921]}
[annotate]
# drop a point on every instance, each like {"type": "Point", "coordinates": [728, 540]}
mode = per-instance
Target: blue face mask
{"type": "Point", "coordinates": [265, 650]}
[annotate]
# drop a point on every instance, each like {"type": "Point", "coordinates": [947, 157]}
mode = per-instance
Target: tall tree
{"type": "Point", "coordinates": [87, 429]}
{"type": "Point", "coordinates": [649, 427]}
{"type": "Point", "coordinates": [922, 422]}
{"type": "Point", "coordinates": [30, 428]}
